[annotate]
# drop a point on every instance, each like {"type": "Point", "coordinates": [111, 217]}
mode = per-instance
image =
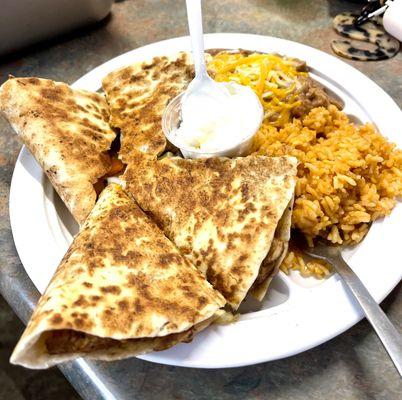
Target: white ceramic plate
{"type": "Point", "coordinates": [298, 313]}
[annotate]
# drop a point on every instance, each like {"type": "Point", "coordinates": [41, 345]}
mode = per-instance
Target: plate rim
{"type": "Point", "coordinates": [99, 71]}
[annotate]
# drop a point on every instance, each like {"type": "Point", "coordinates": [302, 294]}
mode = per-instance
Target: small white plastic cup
{"type": "Point", "coordinates": [171, 120]}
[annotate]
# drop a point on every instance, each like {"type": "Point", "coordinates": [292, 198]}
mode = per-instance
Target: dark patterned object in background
{"type": "Point", "coordinates": [352, 366]}
{"type": "Point", "coordinates": [370, 41]}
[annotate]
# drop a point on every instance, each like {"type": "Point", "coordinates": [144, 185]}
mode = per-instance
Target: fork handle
{"type": "Point", "coordinates": [386, 331]}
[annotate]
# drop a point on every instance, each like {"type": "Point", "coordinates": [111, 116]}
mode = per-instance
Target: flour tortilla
{"type": "Point", "coordinates": [221, 213]}
{"type": "Point", "coordinates": [66, 130]}
{"type": "Point", "coordinates": [138, 94]}
{"type": "Point", "coordinates": [122, 289]}
{"type": "Point", "coordinates": [277, 253]}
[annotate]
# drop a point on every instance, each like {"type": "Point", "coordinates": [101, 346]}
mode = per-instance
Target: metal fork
{"type": "Point", "coordinates": [386, 331]}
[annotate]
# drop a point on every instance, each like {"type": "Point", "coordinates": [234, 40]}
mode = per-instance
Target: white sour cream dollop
{"type": "Point", "coordinates": [212, 124]}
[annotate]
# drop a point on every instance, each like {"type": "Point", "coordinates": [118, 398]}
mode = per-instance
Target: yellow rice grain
{"type": "Point", "coordinates": [348, 176]}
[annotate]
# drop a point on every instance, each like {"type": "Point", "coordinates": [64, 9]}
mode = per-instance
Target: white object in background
{"type": "Point", "coordinates": [25, 22]}
{"type": "Point", "coordinates": [392, 19]}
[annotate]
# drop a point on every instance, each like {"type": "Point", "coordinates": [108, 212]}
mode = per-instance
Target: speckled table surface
{"type": "Point", "coordinates": [351, 366]}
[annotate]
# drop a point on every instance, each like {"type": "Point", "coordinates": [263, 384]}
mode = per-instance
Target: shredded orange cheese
{"type": "Point", "coordinates": [273, 79]}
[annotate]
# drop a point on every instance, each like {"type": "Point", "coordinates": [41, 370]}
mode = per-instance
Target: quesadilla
{"type": "Point", "coordinates": [67, 131]}
{"type": "Point", "coordinates": [122, 289]}
{"type": "Point", "coordinates": [138, 95]}
{"type": "Point", "coordinates": [222, 214]}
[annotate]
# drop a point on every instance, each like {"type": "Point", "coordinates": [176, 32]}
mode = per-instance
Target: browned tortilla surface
{"type": "Point", "coordinates": [137, 96]}
{"type": "Point", "coordinates": [66, 130]}
{"type": "Point", "coordinates": [121, 289]}
{"type": "Point", "coordinates": [221, 213]}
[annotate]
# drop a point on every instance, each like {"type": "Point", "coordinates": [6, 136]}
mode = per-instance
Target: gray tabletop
{"type": "Point", "coordinates": [351, 366]}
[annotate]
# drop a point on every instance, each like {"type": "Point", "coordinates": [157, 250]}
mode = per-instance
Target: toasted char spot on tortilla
{"type": "Point", "coordinates": [57, 319]}
{"type": "Point", "coordinates": [110, 289]}
{"type": "Point", "coordinates": [81, 301]}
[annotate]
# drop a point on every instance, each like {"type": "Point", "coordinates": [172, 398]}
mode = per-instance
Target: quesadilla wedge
{"type": "Point", "coordinates": [138, 95]}
{"type": "Point", "coordinates": [67, 131]}
{"type": "Point", "coordinates": [221, 213]}
{"type": "Point", "coordinates": [122, 289]}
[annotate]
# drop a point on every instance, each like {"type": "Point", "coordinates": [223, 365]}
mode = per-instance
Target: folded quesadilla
{"type": "Point", "coordinates": [67, 131]}
{"type": "Point", "coordinates": [229, 217]}
{"type": "Point", "coordinates": [138, 95]}
{"type": "Point", "coordinates": [122, 289]}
